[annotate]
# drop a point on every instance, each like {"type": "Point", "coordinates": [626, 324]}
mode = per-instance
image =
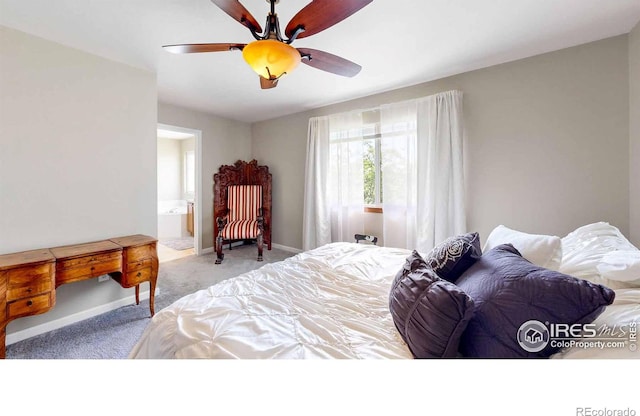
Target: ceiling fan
{"type": "Point", "coordinates": [271, 55]}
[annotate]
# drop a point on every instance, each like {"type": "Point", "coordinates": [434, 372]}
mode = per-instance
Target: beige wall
{"type": "Point", "coordinates": [77, 157]}
{"type": "Point", "coordinates": [281, 145]}
{"type": "Point", "coordinates": [223, 142]}
{"type": "Point", "coordinates": [634, 134]}
{"type": "Point", "coordinates": [547, 145]}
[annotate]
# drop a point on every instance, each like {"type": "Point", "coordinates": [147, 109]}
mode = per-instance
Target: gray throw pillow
{"type": "Point", "coordinates": [516, 302]}
{"type": "Point", "coordinates": [430, 313]}
{"type": "Point", "coordinates": [455, 255]}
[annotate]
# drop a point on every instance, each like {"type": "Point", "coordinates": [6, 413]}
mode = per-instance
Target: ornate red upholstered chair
{"type": "Point", "coordinates": [242, 206]}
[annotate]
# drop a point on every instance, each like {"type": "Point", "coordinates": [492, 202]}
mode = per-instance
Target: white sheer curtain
{"type": "Point", "coordinates": [422, 174]}
{"type": "Point", "coordinates": [399, 174]}
{"type": "Point", "coordinates": [346, 176]}
{"type": "Point", "coordinates": [334, 183]}
{"type": "Point", "coordinates": [422, 164]}
{"type": "Point", "coordinates": [316, 223]}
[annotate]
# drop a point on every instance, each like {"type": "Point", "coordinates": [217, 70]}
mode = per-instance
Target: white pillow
{"type": "Point", "coordinates": [621, 265]}
{"type": "Point", "coordinates": [541, 250]}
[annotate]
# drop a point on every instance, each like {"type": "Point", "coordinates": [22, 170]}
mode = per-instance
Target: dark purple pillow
{"type": "Point", "coordinates": [516, 302]}
{"type": "Point", "coordinates": [429, 312]}
{"type": "Point", "coordinates": [455, 255]}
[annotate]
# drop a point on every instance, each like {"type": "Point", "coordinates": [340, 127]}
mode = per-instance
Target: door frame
{"type": "Point", "coordinates": [197, 206]}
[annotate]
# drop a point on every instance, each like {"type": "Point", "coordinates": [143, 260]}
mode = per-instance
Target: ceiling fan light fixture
{"type": "Point", "coordinates": [271, 58]}
{"type": "Point", "coordinates": [272, 55]}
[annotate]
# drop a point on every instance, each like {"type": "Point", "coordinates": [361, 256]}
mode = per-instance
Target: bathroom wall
{"type": "Point", "coordinates": [169, 169]}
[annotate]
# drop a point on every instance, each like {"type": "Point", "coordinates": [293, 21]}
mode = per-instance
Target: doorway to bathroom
{"type": "Point", "coordinates": [179, 198]}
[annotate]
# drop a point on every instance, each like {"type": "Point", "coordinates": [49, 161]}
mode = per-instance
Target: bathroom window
{"type": "Point", "coordinates": [189, 173]}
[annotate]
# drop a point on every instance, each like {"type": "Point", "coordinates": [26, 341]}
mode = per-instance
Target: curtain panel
{"type": "Point", "coordinates": [316, 222]}
{"type": "Point", "coordinates": [333, 204]}
{"type": "Point", "coordinates": [421, 146]}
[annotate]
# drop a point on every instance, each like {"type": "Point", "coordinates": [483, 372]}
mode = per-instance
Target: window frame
{"type": "Point", "coordinates": [371, 132]}
{"type": "Point", "coordinates": [189, 172]}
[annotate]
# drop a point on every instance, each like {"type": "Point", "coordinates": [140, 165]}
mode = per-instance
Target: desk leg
{"type": "Point", "coordinates": [152, 284]}
{"type": "Point", "coordinates": [137, 294]}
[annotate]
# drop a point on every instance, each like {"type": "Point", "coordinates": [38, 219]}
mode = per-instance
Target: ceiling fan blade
{"type": "Point", "coordinates": [236, 10]}
{"type": "Point", "coordinates": [265, 84]}
{"type": "Point", "coordinates": [329, 62]}
{"type": "Point", "coordinates": [322, 14]}
{"type": "Point", "coordinates": [204, 47]}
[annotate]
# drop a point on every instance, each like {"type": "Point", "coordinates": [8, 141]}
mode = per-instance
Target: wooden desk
{"type": "Point", "coordinates": [28, 280]}
{"type": "Point", "coordinates": [139, 264]}
{"type": "Point", "coordinates": [27, 287]}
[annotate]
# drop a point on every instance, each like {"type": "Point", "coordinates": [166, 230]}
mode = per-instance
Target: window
{"type": "Point", "coordinates": [370, 138]}
{"type": "Point", "coordinates": [189, 173]}
{"type": "Point", "coordinates": [404, 156]}
{"type": "Point", "coordinates": [372, 169]}
{"type": "Point", "coordinates": [387, 145]}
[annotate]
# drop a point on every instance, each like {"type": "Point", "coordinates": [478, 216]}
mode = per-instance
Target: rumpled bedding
{"type": "Point", "coordinates": [330, 302]}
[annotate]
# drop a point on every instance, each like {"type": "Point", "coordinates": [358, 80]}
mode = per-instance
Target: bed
{"type": "Point", "coordinates": [334, 302]}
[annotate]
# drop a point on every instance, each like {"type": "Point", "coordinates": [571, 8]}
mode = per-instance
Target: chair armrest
{"type": "Point", "coordinates": [260, 219]}
{"type": "Point", "coordinates": [222, 222]}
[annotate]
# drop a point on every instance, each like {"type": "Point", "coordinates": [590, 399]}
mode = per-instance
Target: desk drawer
{"type": "Point", "coordinates": [136, 277]}
{"type": "Point", "coordinates": [3, 303]}
{"type": "Point", "coordinates": [141, 252]}
{"type": "Point", "coordinates": [88, 271]}
{"type": "Point", "coordinates": [36, 287]}
{"type": "Point", "coordinates": [146, 263]}
{"type": "Point", "coordinates": [3, 313]}
{"type": "Point", "coordinates": [30, 306]}
{"type": "Point", "coordinates": [88, 260]}
{"type": "Point", "coordinates": [26, 275]}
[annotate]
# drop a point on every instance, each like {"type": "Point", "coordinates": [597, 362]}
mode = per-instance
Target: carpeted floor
{"type": "Point", "coordinates": [112, 335]}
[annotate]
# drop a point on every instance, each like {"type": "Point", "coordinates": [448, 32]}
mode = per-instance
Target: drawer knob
{"type": "Point", "coordinates": [92, 268]}
{"type": "Point", "coordinates": [29, 290]}
{"type": "Point", "coordinates": [29, 302]}
{"type": "Point", "coordinates": [139, 274]}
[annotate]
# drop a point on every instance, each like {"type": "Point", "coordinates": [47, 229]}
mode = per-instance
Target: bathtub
{"type": "Point", "coordinates": [172, 219]}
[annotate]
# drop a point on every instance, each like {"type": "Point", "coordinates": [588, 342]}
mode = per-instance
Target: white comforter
{"type": "Point", "coordinates": [331, 302]}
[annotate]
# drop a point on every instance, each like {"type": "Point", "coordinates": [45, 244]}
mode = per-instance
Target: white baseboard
{"type": "Point", "coordinates": [286, 248]}
{"type": "Point", "coordinates": [207, 250]}
{"type": "Point", "coordinates": [76, 317]}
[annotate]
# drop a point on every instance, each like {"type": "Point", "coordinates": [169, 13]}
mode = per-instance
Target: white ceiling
{"type": "Point", "coordinates": [397, 42]}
